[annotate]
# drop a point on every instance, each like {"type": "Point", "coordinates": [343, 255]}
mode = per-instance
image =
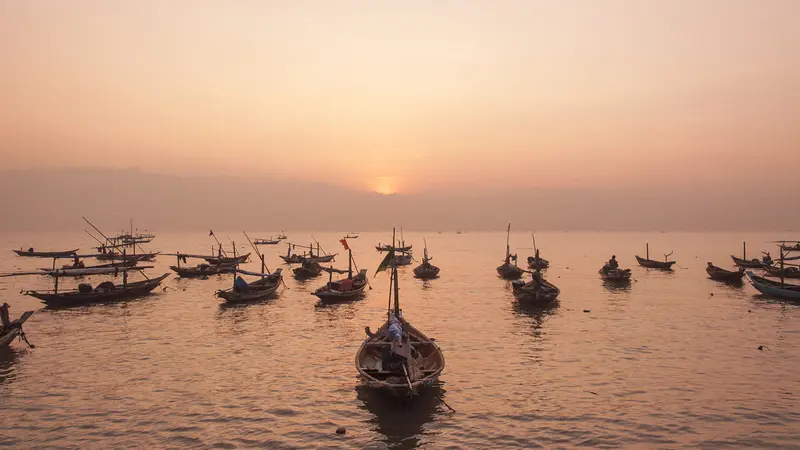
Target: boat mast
{"type": "Point", "coordinates": [647, 250]}
{"type": "Point", "coordinates": [349, 262]}
{"type": "Point", "coordinates": [508, 243]}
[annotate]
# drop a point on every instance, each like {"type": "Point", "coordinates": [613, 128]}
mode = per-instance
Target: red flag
{"type": "Point", "coordinates": [344, 243]}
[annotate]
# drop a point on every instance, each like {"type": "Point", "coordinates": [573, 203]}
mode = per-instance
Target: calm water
{"type": "Point", "coordinates": [672, 361]}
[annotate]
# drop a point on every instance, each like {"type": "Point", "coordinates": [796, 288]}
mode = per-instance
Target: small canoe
{"type": "Point", "coordinates": [266, 241]}
{"type": "Point", "coordinates": [105, 292]}
{"type": "Point", "coordinates": [386, 248]}
{"type": "Point", "coordinates": [720, 274]}
{"type": "Point", "coordinates": [7, 336]}
{"type": "Point", "coordinates": [343, 290]}
{"type": "Point", "coordinates": [381, 361]}
{"type": "Point", "coordinates": [32, 254]}
{"type": "Point", "coordinates": [322, 259]}
{"type": "Point", "coordinates": [653, 264]}
{"type": "Point", "coordinates": [774, 288]}
{"type": "Point", "coordinates": [293, 259]}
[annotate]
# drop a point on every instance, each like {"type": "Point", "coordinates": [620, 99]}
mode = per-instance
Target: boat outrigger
{"type": "Point", "coordinates": [398, 359]}
{"type": "Point", "coordinates": [779, 289]}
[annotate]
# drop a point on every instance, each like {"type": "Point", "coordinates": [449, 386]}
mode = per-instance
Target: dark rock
{"type": "Point", "coordinates": [341, 430]}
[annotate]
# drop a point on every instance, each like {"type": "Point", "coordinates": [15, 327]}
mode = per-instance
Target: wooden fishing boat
{"type": "Point", "coordinates": [351, 236]}
{"type": "Point", "coordinates": [774, 288]}
{"type": "Point", "coordinates": [81, 272]}
{"type": "Point", "coordinates": [243, 292]}
{"type": "Point", "coordinates": [30, 253]}
{"type": "Point", "coordinates": [402, 258]}
{"type": "Point", "coordinates": [7, 335]}
{"type": "Point", "coordinates": [202, 270]}
{"type": "Point", "coordinates": [266, 241]}
{"type": "Point", "coordinates": [612, 273]}
{"type": "Point", "coordinates": [104, 292]}
{"type": "Point", "coordinates": [507, 270]}
{"type": "Point", "coordinates": [536, 262]}
{"type": "Point", "coordinates": [348, 288]}
{"type": "Point", "coordinates": [754, 263]}
{"type": "Point", "coordinates": [653, 264]}
{"type": "Point", "coordinates": [398, 359]}
{"type": "Point", "coordinates": [720, 274]}
{"type": "Point", "coordinates": [322, 259]}
{"type": "Point", "coordinates": [618, 275]}
{"type": "Point", "coordinates": [786, 272]}
{"type": "Point", "coordinates": [387, 247]}
{"type": "Point", "coordinates": [538, 291]}
{"type": "Point", "coordinates": [292, 259]}
{"type": "Point", "coordinates": [111, 256]}
{"type": "Point", "coordinates": [426, 270]}
{"type": "Point", "coordinates": [227, 260]}
{"type": "Point", "coordinates": [308, 269]}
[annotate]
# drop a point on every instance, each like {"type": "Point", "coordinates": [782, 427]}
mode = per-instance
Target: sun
{"type": "Point", "coordinates": [384, 185]}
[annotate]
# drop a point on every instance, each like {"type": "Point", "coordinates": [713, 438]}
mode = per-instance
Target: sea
{"type": "Point", "coordinates": [673, 360]}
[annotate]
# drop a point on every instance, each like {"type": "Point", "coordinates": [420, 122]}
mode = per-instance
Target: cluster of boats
{"type": "Point", "coordinates": [397, 357]}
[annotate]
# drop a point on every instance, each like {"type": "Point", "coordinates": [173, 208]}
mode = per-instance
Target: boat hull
{"type": "Point", "coordinates": [751, 264]}
{"type": "Point", "coordinates": [616, 275]}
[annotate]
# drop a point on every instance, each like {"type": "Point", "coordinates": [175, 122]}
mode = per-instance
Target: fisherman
{"type": "Point", "coordinates": [6, 320]}
{"type": "Point", "coordinates": [612, 263]}
{"type": "Point", "coordinates": [537, 279]}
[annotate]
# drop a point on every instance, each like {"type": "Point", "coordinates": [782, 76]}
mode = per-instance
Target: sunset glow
{"type": "Point", "coordinates": [384, 185]}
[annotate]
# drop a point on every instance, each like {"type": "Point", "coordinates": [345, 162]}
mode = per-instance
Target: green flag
{"type": "Point", "coordinates": [387, 260]}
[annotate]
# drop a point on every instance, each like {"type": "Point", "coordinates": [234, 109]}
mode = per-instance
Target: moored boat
{"type": "Point", "coordinates": [766, 259]}
{"type": "Point", "coordinates": [243, 292]}
{"type": "Point", "coordinates": [104, 292]}
{"type": "Point", "coordinates": [612, 273]}
{"type": "Point", "coordinates": [345, 289]}
{"type": "Point", "coordinates": [266, 241]}
{"type": "Point", "coordinates": [536, 262]}
{"type": "Point", "coordinates": [30, 253]}
{"type": "Point", "coordinates": [426, 270]}
{"type": "Point", "coordinates": [774, 288]}
{"type": "Point", "coordinates": [307, 269]}
{"type": "Point", "coordinates": [786, 272]}
{"type": "Point", "coordinates": [507, 270]}
{"type": "Point", "coordinates": [653, 264]}
{"type": "Point", "coordinates": [538, 291]}
{"type": "Point", "coordinates": [720, 274]}
{"type": "Point", "coordinates": [398, 359]}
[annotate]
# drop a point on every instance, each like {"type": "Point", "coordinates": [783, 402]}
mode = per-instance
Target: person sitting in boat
{"type": "Point", "coordinates": [612, 263]}
{"type": "Point", "coordinates": [7, 324]}
{"type": "Point", "coordinates": [77, 263]}
{"type": "Point", "coordinates": [30, 250]}
{"type": "Point", "coordinates": [537, 279]}
{"type": "Point", "coordinates": [767, 259]}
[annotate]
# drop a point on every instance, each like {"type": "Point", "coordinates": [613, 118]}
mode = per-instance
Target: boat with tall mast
{"type": "Point", "coordinates": [779, 289]}
{"type": "Point", "coordinates": [653, 264]}
{"type": "Point", "coordinates": [766, 259]}
{"type": "Point", "coordinates": [536, 262]}
{"type": "Point", "coordinates": [398, 359]}
{"type": "Point", "coordinates": [426, 270]}
{"type": "Point", "coordinates": [345, 289]}
{"type": "Point", "coordinates": [243, 292]}
{"type": "Point", "coordinates": [507, 270]}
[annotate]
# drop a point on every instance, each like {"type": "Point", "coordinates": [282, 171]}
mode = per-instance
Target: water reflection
{"type": "Point", "coordinates": [8, 357]}
{"type": "Point", "coordinates": [401, 421]}
{"type": "Point", "coordinates": [536, 315]}
{"type": "Point", "coordinates": [617, 286]}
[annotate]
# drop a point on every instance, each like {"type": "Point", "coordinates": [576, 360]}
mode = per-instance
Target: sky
{"type": "Point", "coordinates": [408, 97]}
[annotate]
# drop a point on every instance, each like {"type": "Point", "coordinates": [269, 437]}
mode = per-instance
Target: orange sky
{"type": "Point", "coordinates": [409, 95]}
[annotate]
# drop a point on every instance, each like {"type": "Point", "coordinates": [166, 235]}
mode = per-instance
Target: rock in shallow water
{"type": "Point", "coordinates": [341, 430]}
